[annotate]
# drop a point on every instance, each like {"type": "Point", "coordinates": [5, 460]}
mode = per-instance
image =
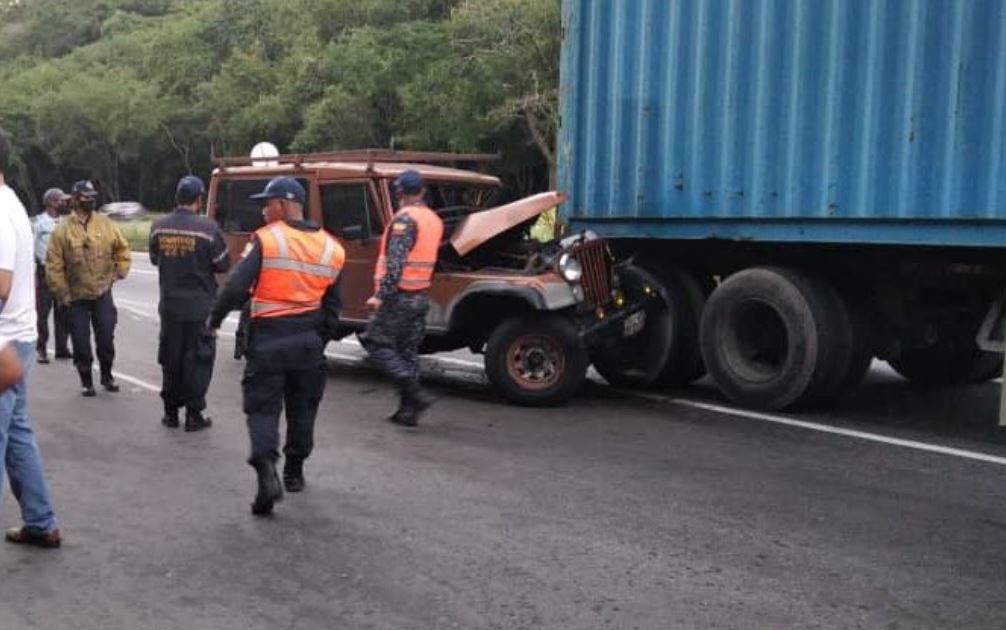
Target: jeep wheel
{"type": "Point", "coordinates": [536, 360]}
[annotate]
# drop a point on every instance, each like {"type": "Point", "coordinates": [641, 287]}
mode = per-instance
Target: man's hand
{"type": "Point", "coordinates": [374, 303]}
{"type": "Point", "coordinates": [10, 367]}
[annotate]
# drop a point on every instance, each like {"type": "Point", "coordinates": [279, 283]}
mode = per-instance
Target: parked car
{"type": "Point", "coordinates": [123, 210]}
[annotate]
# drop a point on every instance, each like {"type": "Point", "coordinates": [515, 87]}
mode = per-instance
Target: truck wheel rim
{"type": "Point", "coordinates": [535, 362]}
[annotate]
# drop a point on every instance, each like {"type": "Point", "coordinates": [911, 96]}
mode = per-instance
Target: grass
{"type": "Point", "coordinates": [138, 232]}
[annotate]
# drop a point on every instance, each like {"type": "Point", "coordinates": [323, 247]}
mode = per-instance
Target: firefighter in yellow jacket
{"type": "Point", "coordinates": [87, 255]}
{"type": "Point", "coordinates": [291, 273]}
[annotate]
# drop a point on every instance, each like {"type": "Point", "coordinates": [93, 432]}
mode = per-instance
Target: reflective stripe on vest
{"type": "Point", "coordinates": [417, 273]}
{"type": "Point", "coordinates": [297, 269]}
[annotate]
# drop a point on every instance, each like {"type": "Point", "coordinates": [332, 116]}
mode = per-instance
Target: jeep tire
{"type": "Point", "coordinates": [536, 360]}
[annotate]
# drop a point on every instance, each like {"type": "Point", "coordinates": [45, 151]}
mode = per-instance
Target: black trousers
{"type": "Point", "coordinates": [267, 394]}
{"type": "Point", "coordinates": [186, 354]}
{"type": "Point", "coordinates": [99, 314]}
{"type": "Point", "coordinates": [45, 303]}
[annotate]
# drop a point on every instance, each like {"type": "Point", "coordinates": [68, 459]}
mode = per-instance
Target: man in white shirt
{"type": "Point", "coordinates": [42, 227]}
{"type": "Point", "coordinates": [17, 327]}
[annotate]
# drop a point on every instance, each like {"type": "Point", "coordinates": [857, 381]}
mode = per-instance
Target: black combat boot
{"type": "Point", "coordinates": [195, 421]}
{"type": "Point", "coordinates": [107, 380]}
{"type": "Point", "coordinates": [170, 418]}
{"type": "Point", "coordinates": [269, 490]}
{"type": "Point", "coordinates": [415, 400]}
{"type": "Point", "coordinates": [86, 383]}
{"type": "Point", "coordinates": [293, 474]}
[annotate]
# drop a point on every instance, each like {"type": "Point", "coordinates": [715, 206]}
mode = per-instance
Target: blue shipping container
{"type": "Point", "coordinates": [844, 121]}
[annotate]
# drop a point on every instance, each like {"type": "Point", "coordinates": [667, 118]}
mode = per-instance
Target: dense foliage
{"type": "Point", "coordinates": [134, 93]}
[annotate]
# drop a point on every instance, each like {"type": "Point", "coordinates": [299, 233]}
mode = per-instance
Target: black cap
{"type": "Point", "coordinates": [189, 189]}
{"type": "Point", "coordinates": [84, 188]}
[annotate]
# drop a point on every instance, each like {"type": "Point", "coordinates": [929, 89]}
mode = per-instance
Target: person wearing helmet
{"type": "Point", "coordinates": [188, 251]}
{"type": "Point", "coordinates": [87, 255]}
{"type": "Point", "coordinates": [291, 273]}
{"type": "Point", "coordinates": [42, 226]}
{"type": "Point", "coordinates": [401, 300]}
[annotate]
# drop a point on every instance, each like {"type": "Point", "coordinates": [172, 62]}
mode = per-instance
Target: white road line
{"type": "Point", "coordinates": [355, 360]}
{"type": "Point", "coordinates": [133, 380]}
{"type": "Point", "coordinates": [136, 311]}
{"type": "Point", "coordinates": [823, 428]}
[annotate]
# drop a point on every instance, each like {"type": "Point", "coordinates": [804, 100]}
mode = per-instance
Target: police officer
{"type": "Point", "coordinates": [269, 215]}
{"type": "Point", "coordinates": [87, 255]}
{"type": "Point", "coordinates": [403, 277]}
{"type": "Point", "coordinates": [42, 226]}
{"type": "Point", "coordinates": [291, 270]}
{"type": "Point", "coordinates": [187, 249]}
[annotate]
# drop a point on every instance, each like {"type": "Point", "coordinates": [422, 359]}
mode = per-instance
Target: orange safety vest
{"type": "Point", "coordinates": [297, 269]}
{"type": "Point", "coordinates": [417, 275]}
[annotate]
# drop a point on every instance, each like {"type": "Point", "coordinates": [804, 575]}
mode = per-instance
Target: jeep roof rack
{"type": "Point", "coordinates": [370, 156]}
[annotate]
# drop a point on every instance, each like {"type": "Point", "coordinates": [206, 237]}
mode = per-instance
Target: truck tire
{"type": "Point", "coordinates": [948, 363]}
{"type": "Point", "coordinates": [770, 340]}
{"type": "Point", "coordinates": [536, 360]}
{"type": "Point", "coordinates": [638, 361]}
{"type": "Point", "coordinates": [685, 364]}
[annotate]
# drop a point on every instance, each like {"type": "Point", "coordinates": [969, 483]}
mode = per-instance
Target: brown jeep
{"type": "Point", "coordinates": [534, 309]}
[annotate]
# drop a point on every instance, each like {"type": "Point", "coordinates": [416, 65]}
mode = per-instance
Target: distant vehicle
{"type": "Point", "coordinates": [815, 184]}
{"type": "Point", "coordinates": [123, 210]}
{"type": "Point", "coordinates": [534, 309]}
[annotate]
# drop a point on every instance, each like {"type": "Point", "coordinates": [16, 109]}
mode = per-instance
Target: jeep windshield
{"type": "Point", "coordinates": [453, 201]}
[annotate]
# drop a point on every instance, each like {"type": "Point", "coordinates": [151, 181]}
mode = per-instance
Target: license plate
{"type": "Point", "coordinates": [634, 324]}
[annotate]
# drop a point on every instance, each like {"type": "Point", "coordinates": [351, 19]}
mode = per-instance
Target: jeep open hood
{"type": "Point", "coordinates": [479, 227]}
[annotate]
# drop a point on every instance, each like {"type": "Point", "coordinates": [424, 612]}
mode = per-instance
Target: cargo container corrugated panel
{"type": "Point", "coordinates": [831, 120]}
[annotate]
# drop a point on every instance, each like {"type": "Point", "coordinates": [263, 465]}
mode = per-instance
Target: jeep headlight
{"type": "Point", "coordinates": [570, 268]}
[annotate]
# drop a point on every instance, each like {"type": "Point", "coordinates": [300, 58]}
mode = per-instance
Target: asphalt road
{"type": "Point", "coordinates": [617, 511]}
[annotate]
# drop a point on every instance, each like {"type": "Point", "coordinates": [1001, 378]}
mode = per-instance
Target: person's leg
{"type": "Point", "coordinates": [408, 338]}
{"type": "Point", "coordinates": [104, 318]}
{"type": "Point", "coordinates": [200, 350]}
{"type": "Point", "coordinates": [303, 392]}
{"type": "Point", "coordinates": [22, 459]}
{"type": "Point", "coordinates": [43, 305]}
{"type": "Point", "coordinates": [61, 336]}
{"type": "Point", "coordinates": [381, 343]}
{"type": "Point", "coordinates": [80, 330]}
{"type": "Point", "coordinates": [169, 355]}
{"type": "Point", "coordinates": [263, 402]}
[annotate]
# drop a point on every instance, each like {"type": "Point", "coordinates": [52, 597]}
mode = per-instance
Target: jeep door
{"type": "Point", "coordinates": [351, 210]}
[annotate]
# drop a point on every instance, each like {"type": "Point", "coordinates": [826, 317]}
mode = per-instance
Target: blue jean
{"type": "Point", "coordinates": [21, 455]}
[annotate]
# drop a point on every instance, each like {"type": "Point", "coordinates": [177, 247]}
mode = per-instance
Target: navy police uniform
{"type": "Point", "coordinates": [188, 250]}
{"type": "Point", "coordinates": [290, 272]}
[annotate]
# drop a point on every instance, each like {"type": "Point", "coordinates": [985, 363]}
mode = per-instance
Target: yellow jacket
{"type": "Point", "coordinates": [84, 259]}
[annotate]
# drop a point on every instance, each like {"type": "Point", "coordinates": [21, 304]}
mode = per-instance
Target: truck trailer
{"type": "Point", "coordinates": [807, 184]}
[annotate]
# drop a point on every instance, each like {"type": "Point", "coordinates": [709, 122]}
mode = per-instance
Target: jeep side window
{"type": "Point", "coordinates": [234, 211]}
{"type": "Point", "coordinates": [348, 211]}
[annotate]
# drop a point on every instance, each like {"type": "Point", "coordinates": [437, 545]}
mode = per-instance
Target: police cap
{"type": "Point", "coordinates": [286, 188]}
{"type": "Point", "coordinates": [410, 182]}
{"type": "Point", "coordinates": [189, 189]}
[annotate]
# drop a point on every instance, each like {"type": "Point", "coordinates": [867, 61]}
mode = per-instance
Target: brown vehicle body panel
{"type": "Point", "coordinates": [547, 291]}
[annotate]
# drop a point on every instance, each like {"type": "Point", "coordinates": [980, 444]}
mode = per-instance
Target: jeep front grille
{"type": "Point", "coordinates": [596, 260]}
